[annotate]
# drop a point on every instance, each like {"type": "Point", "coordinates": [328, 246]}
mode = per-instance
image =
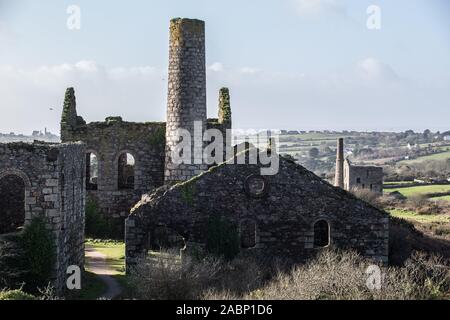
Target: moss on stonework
{"type": "Point", "coordinates": [69, 108]}
{"type": "Point", "coordinates": [180, 26]}
{"type": "Point", "coordinates": [188, 192]}
{"type": "Point", "coordinates": [158, 138]}
{"type": "Point", "coordinates": [224, 106]}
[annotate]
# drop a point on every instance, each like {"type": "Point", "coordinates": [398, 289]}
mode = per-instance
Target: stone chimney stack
{"type": "Point", "coordinates": [339, 176]}
{"type": "Point", "coordinates": [186, 101]}
{"type": "Point", "coordinates": [224, 107]}
{"type": "Point", "coordinates": [69, 113]}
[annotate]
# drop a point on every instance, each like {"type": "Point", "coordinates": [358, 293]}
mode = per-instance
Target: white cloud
{"type": "Point", "coordinates": [216, 67]}
{"type": "Point", "coordinates": [369, 95]}
{"type": "Point", "coordinates": [372, 69]}
{"type": "Point", "coordinates": [26, 95]}
{"type": "Point", "coordinates": [249, 70]}
{"type": "Point", "coordinates": [316, 7]}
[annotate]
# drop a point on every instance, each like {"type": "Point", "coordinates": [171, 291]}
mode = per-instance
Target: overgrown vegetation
{"type": "Point", "coordinates": [331, 275]}
{"type": "Point", "coordinates": [188, 191]}
{"type": "Point", "coordinates": [12, 267]}
{"type": "Point", "coordinates": [27, 259]}
{"type": "Point", "coordinates": [39, 253]}
{"type": "Point", "coordinates": [222, 239]}
{"type": "Point", "coordinates": [17, 294]}
{"type": "Point", "coordinates": [96, 225]}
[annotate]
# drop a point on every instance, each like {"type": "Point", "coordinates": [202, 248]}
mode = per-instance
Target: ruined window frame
{"type": "Point", "coordinates": [117, 169]}
{"type": "Point", "coordinates": [99, 165]}
{"type": "Point", "coordinates": [328, 234]}
{"type": "Point", "coordinates": [254, 229]}
{"type": "Point", "coordinates": [248, 190]}
{"type": "Point", "coordinates": [27, 189]}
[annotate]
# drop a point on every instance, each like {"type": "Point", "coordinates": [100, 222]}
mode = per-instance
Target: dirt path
{"type": "Point", "coordinates": [96, 263]}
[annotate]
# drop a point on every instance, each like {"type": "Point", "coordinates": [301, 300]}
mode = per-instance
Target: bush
{"type": "Point", "coordinates": [96, 225]}
{"type": "Point", "coordinates": [39, 253]}
{"type": "Point", "coordinates": [12, 266]}
{"type": "Point", "coordinates": [332, 274]}
{"type": "Point", "coordinates": [370, 197]}
{"type": "Point", "coordinates": [165, 277]}
{"type": "Point", "coordinates": [222, 239]}
{"type": "Point", "coordinates": [342, 275]}
{"type": "Point", "coordinates": [17, 294]}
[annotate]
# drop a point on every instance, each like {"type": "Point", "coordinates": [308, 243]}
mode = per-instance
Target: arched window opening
{"type": "Point", "coordinates": [248, 234]}
{"type": "Point", "coordinates": [91, 171]}
{"type": "Point", "coordinates": [321, 234]}
{"type": "Point", "coordinates": [126, 165]}
{"type": "Point", "coordinates": [164, 238]}
{"type": "Point", "coordinates": [12, 203]}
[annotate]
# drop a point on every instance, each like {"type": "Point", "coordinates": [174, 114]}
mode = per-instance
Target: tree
{"type": "Point", "coordinates": [314, 152]}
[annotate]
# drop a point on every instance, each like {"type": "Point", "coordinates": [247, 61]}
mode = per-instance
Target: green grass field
{"type": "Point", "coordinates": [421, 218]}
{"type": "Point", "coordinates": [114, 251]}
{"type": "Point", "coordinates": [398, 182]}
{"type": "Point", "coordinates": [420, 190]}
{"type": "Point", "coordinates": [444, 198]}
{"type": "Point", "coordinates": [437, 156]}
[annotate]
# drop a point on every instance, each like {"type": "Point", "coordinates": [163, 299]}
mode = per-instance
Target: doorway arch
{"type": "Point", "coordinates": [14, 191]}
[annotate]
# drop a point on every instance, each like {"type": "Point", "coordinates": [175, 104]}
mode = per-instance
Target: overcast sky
{"type": "Point", "coordinates": [289, 64]}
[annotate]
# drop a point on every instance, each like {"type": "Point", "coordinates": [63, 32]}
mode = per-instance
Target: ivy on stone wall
{"type": "Point", "coordinates": [222, 237]}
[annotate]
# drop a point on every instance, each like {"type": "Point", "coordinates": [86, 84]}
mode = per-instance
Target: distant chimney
{"type": "Point", "coordinates": [339, 177]}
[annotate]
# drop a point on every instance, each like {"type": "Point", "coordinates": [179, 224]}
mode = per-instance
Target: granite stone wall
{"type": "Point", "coordinates": [108, 141]}
{"type": "Point", "coordinates": [53, 179]}
{"type": "Point", "coordinates": [284, 209]}
{"type": "Point", "coordinates": [186, 101]}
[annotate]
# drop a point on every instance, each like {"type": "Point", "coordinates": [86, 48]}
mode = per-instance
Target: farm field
{"type": "Point", "coordinates": [443, 198]}
{"type": "Point", "coordinates": [420, 190]}
{"type": "Point", "coordinates": [420, 218]}
{"type": "Point", "coordinates": [398, 183]}
{"type": "Point", "coordinates": [437, 156]}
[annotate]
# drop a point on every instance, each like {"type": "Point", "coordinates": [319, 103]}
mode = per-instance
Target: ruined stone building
{"type": "Point", "coordinates": [356, 177]}
{"type": "Point", "coordinates": [121, 165]}
{"type": "Point", "coordinates": [46, 180]}
{"type": "Point", "coordinates": [126, 159]}
{"type": "Point", "coordinates": [292, 213]}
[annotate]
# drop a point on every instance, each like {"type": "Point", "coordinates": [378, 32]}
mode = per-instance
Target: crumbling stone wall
{"type": "Point", "coordinates": [53, 178]}
{"type": "Point", "coordinates": [283, 208]}
{"type": "Point", "coordinates": [363, 177]}
{"type": "Point", "coordinates": [108, 141]}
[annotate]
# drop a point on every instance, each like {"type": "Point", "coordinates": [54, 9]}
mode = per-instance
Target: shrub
{"type": "Point", "coordinates": [341, 275]}
{"type": "Point", "coordinates": [222, 239]}
{"type": "Point", "coordinates": [369, 196]}
{"type": "Point", "coordinates": [12, 266]}
{"type": "Point", "coordinates": [332, 274]}
{"type": "Point", "coordinates": [96, 225]}
{"type": "Point", "coordinates": [165, 277]}
{"type": "Point", "coordinates": [17, 294]}
{"type": "Point", "coordinates": [39, 253]}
